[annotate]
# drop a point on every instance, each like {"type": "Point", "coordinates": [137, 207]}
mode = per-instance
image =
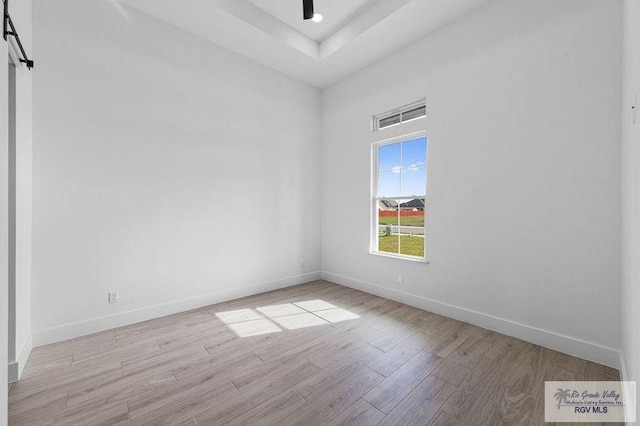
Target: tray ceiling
{"type": "Point", "coordinates": [353, 34]}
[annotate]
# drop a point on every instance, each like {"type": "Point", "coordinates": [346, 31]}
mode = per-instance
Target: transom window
{"type": "Point", "coordinates": [399, 197]}
{"type": "Point", "coordinates": [400, 115]}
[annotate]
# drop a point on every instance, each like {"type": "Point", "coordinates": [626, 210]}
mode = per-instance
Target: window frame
{"type": "Point", "coordinates": [374, 199]}
{"type": "Point", "coordinates": [375, 124]}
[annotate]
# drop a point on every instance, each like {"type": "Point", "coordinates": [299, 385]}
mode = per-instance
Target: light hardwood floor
{"type": "Point", "coordinates": [392, 364]}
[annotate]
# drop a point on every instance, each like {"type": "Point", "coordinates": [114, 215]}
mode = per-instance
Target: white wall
{"type": "Point", "coordinates": [630, 193]}
{"type": "Point", "coordinates": [165, 167]}
{"type": "Point", "coordinates": [523, 190]}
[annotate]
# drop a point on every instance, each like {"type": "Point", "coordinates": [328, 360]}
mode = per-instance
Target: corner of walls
{"type": "Point", "coordinates": [624, 375]}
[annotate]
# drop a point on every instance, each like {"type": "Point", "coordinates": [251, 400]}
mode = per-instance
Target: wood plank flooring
{"type": "Point", "coordinates": [316, 353]}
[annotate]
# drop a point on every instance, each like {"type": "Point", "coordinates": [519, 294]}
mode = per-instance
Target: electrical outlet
{"type": "Point", "coordinates": [114, 296]}
{"type": "Point", "coordinates": [399, 278]}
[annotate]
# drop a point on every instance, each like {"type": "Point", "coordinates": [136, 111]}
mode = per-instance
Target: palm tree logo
{"type": "Point", "coordinates": [561, 395]}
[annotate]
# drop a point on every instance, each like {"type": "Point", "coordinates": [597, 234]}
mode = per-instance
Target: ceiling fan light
{"type": "Point", "coordinates": [317, 17]}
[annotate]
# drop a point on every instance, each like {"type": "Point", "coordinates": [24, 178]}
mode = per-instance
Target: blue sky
{"type": "Point", "coordinates": [402, 168]}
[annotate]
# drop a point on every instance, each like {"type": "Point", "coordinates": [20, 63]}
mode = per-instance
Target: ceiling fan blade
{"type": "Point", "coordinates": [121, 10]}
{"type": "Point", "coordinates": [307, 8]}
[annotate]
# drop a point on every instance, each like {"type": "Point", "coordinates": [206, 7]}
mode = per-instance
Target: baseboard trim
{"type": "Point", "coordinates": [12, 373]}
{"type": "Point", "coordinates": [71, 330]}
{"type": "Point", "coordinates": [17, 367]}
{"type": "Point", "coordinates": [548, 339]}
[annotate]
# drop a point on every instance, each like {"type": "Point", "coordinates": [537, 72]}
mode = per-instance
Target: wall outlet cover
{"type": "Point", "coordinates": [114, 297]}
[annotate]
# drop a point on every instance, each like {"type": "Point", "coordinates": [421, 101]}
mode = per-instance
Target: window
{"type": "Point", "coordinates": [399, 197]}
{"type": "Point", "coordinates": [400, 115]}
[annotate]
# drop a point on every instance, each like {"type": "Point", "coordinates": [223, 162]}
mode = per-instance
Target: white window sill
{"type": "Point", "coordinates": [393, 256]}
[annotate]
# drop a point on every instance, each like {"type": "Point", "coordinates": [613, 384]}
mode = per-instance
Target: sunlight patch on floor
{"type": "Point", "coordinates": [254, 328]}
{"type": "Point", "coordinates": [294, 322]}
{"type": "Point", "coordinates": [280, 310]}
{"type": "Point", "coordinates": [314, 305]}
{"type": "Point", "coordinates": [231, 317]}
{"type": "Point", "coordinates": [291, 316]}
